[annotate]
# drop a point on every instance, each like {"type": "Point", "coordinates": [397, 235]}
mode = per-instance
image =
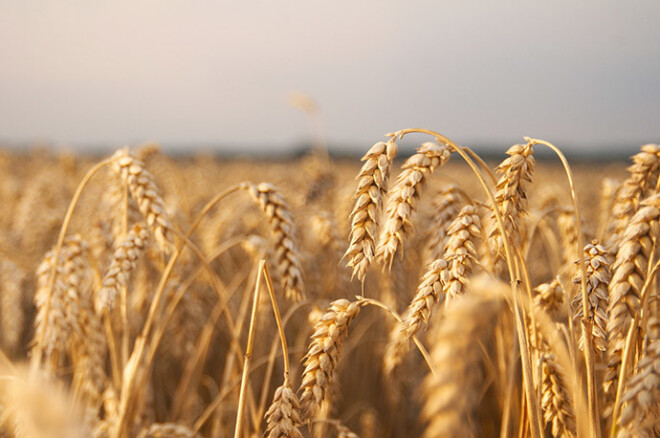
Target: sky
{"type": "Point", "coordinates": [585, 74]}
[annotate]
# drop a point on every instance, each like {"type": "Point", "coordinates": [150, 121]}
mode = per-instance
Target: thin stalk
{"type": "Point", "coordinates": [248, 352]}
{"type": "Point", "coordinates": [594, 416]}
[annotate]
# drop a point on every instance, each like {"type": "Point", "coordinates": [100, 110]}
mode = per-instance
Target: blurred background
{"type": "Point", "coordinates": [264, 77]}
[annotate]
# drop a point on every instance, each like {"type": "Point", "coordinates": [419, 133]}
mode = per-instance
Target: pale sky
{"type": "Point", "coordinates": [579, 73]}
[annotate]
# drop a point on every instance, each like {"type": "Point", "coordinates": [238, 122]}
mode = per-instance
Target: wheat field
{"type": "Point", "coordinates": [438, 295]}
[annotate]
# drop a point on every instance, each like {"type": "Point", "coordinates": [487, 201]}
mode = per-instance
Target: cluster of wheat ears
{"type": "Point", "coordinates": [185, 298]}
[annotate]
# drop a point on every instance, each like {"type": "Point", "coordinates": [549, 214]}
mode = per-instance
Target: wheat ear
{"type": "Point", "coordinates": [446, 207]}
{"type": "Point", "coordinates": [599, 275]}
{"type": "Point", "coordinates": [123, 262]}
{"type": "Point", "coordinates": [143, 189]}
{"type": "Point", "coordinates": [643, 175]}
{"type": "Point", "coordinates": [403, 196]}
{"type": "Point", "coordinates": [322, 356]}
{"type": "Point", "coordinates": [640, 416]}
{"type": "Point", "coordinates": [283, 416]}
{"type": "Point", "coordinates": [555, 399]}
{"type": "Point", "coordinates": [369, 195]}
{"type": "Point", "coordinates": [451, 397]}
{"type": "Point", "coordinates": [63, 318]}
{"type": "Point", "coordinates": [511, 199]}
{"type": "Point", "coordinates": [287, 258]}
{"type": "Point", "coordinates": [445, 277]}
{"type": "Point", "coordinates": [12, 315]}
{"type": "Point", "coordinates": [629, 272]}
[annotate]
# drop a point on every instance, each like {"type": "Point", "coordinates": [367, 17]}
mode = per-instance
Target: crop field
{"type": "Point", "coordinates": [433, 295]}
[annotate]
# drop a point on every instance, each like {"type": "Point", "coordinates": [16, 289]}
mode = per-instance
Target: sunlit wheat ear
{"type": "Point", "coordinates": [640, 416]}
{"type": "Point", "coordinates": [445, 278]}
{"type": "Point", "coordinates": [599, 274]}
{"type": "Point", "coordinates": [63, 317]}
{"type": "Point", "coordinates": [123, 262]}
{"type": "Point", "coordinates": [145, 193]}
{"type": "Point", "coordinates": [642, 179]}
{"type": "Point", "coordinates": [628, 276]}
{"type": "Point", "coordinates": [568, 235]}
{"type": "Point", "coordinates": [167, 430]}
{"type": "Point", "coordinates": [322, 356]}
{"type": "Point", "coordinates": [287, 257]}
{"type": "Point", "coordinates": [283, 415]}
{"type": "Point", "coordinates": [556, 402]}
{"type": "Point", "coordinates": [369, 195]}
{"type": "Point", "coordinates": [403, 196]}
{"type": "Point", "coordinates": [452, 396]}
{"type": "Point", "coordinates": [511, 199]}
{"type": "Point", "coordinates": [446, 207]}
{"type": "Point", "coordinates": [12, 315]}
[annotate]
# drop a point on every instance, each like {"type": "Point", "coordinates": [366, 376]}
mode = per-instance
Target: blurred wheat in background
{"type": "Point", "coordinates": [440, 296]}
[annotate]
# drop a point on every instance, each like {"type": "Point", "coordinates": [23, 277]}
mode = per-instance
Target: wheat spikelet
{"type": "Point", "coordinates": [629, 274]}
{"type": "Point", "coordinates": [401, 199]}
{"type": "Point", "coordinates": [369, 195]}
{"type": "Point", "coordinates": [451, 397]}
{"type": "Point", "coordinates": [459, 251]}
{"type": "Point", "coordinates": [145, 193]}
{"type": "Point", "coordinates": [63, 317]}
{"type": "Point", "coordinates": [597, 260]}
{"type": "Point", "coordinates": [11, 304]}
{"type": "Point", "coordinates": [123, 262]}
{"type": "Point", "coordinates": [549, 297]}
{"type": "Point", "coordinates": [568, 234]}
{"type": "Point", "coordinates": [446, 207]}
{"type": "Point", "coordinates": [511, 200]}
{"type": "Point", "coordinates": [287, 259]}
{"type": "Point", "coordinates": [322, 356]}
{"type": "Point", "coordinates": [640, 416]}
{"type": "Point", "coordinates": [167, 430]}
{"type": "Point", "coordinates": [643, 176]}
{"type": "Point", "coordinates": [555, 399]}
{"type": "Point", "coordinates": [283, 415]}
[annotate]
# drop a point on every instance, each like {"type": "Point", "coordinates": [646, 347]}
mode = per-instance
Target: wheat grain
{"type": "Point", "coordinates": [555, 399]}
